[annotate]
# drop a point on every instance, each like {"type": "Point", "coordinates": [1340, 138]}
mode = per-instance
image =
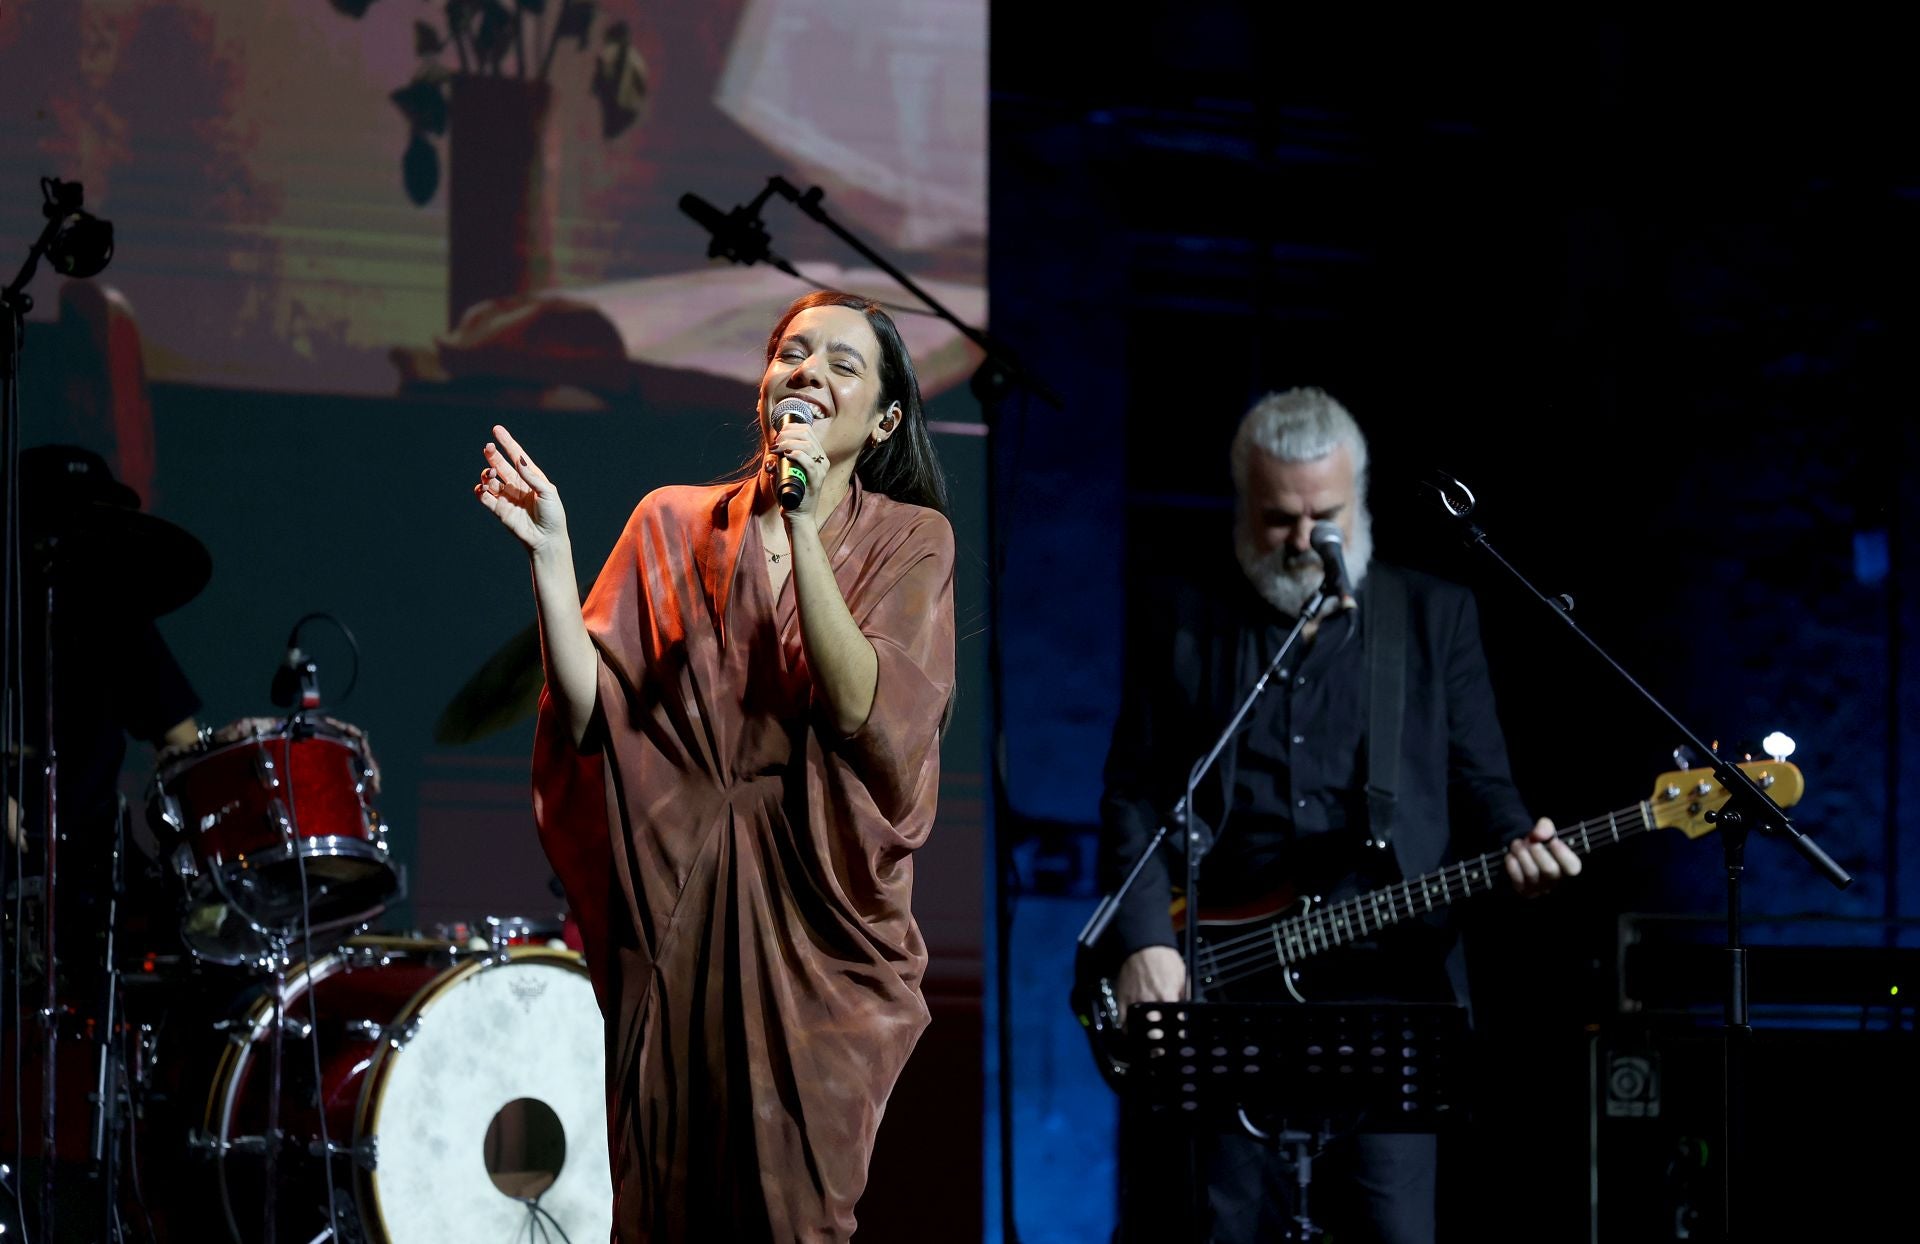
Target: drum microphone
{"type": "Point", "coordinates": [793, 478]}
{"type": "Point", "coordinates": [1331, 546]}
{"type": "Point", "coordinates": [298, 678]}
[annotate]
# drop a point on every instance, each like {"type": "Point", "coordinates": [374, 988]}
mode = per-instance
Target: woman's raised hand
{"type": "Point", "coordinates": [518, 493]}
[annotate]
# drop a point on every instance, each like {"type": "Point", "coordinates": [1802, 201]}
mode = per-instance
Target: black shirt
{"type": "Point", "coordinates": [1299, 765]}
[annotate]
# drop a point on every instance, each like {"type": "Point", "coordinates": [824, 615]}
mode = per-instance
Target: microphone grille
{"type": "Point", "coordinates": [792, 408]}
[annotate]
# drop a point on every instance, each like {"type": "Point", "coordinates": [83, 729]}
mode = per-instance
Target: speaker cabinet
{"type": "Point", "coordinates": [1829, 1137]}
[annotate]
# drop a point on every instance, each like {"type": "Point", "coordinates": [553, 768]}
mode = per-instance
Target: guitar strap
{"type": "Point", "coordinates": [1386, 639]}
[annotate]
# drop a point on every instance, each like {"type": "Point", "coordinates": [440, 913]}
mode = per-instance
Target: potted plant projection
{"type": "Point", "coordinates": [493, 105]}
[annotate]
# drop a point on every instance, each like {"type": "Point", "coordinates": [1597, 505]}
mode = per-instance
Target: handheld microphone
{"type": "Point", "coordinates": [793, 478]}
{"type": "Point", "coordinates": [1331, 546]}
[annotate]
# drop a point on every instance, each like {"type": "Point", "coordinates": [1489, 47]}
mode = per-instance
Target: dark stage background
{"type": "Point", "coordinates": [1648, 285]}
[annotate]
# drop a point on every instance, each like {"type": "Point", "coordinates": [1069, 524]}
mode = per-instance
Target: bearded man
{"type": "Point", "coordinates": [1296, 804]}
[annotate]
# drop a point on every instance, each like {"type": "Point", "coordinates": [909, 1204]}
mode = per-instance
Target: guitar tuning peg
{"type": "Point", "coordinates": [1683, 757]}
{"type": "Point", "coordinates": [1777, 745]}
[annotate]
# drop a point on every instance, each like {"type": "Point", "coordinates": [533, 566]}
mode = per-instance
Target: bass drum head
{"type": "Point", "coordinates": [491, 1033]}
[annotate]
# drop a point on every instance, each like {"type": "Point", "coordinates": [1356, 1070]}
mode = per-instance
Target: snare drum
{"type": "Point", "coordinates": [252, 805]}
{"type": "Point", "coordinates": [463, 1096]}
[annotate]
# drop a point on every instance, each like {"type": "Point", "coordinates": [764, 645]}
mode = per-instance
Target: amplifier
{"type": "Point", "coordinates": [1828, 1149]}
{"type": "Point", "coordinates": [1678, 964]}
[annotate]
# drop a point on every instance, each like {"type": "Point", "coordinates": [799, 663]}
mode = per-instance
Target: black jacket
{"type": "Point", "coordinates": [1186, 673]}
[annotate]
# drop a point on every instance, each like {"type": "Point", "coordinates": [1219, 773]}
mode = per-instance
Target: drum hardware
{"type": "Point", "coordinates": [49, 940]}
{"type": "Point", "coordinates": [145, 1047]}
{"type": "Point", "coordinates": [273, 834]}
{"type": "Point", "coordinates": [88, 553]}
{"type": "Point", "coordinates": [397, 1037]}
{"type": "Point", "coordinates": [365, 1152]}
{"type": "Point", "coordinates": [272, 1142]}
{"type": "Point", "coordinates": [407, 1093]}
{"type": "Point", "coordinates": [505, 932]}
{"type": "Point", "coordinates": [110, 1098]}
{"type": "Point", "coordinates": [213, 1146]}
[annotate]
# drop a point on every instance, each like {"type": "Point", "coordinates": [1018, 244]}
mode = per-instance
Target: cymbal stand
{"type": "Point", "coordinates": [275, 1063]}
{"type": "Point", "coordinates": [77, 244]}
{"type": "Point", "coordinates": [50, 1008]}
{"type": "Point", "coordinates": [109, 1074]}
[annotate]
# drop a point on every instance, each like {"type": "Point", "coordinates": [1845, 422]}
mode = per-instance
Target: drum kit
{"type": "Point", "coordinates": [238, 1055]}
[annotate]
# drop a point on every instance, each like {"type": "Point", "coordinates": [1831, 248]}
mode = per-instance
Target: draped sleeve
{"type": "Point", "coordinates": [908, 618]}
{"type": "Point", "coordinates": [571, 791]}
{"type": "Point", "coordinates": [570, 811]}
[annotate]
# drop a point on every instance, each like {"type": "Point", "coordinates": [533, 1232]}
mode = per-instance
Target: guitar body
{"type": "Point", "coordinates": [1220, 943]}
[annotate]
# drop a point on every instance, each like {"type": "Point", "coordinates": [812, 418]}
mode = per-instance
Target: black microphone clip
{"type": "Point", "coordinates": [1455, 497]}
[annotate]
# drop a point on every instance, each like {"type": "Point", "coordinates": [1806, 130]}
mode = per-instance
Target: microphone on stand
{"type": "Point", "coordinates": [739, 236]}
{"type": "Point", "coordinates": [1327, 541]}
{"type": "Point", "coordinates": [297, 678]}
{"type": "Point", "coordinates": [793, 478]}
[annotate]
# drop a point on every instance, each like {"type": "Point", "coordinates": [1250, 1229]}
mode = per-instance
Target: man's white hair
{"type": "Point", "coordinates": [1299, 425]}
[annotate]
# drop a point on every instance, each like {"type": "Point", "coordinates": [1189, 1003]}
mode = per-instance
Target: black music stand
{"type": "Point", "coordinates": [1317, 1070]}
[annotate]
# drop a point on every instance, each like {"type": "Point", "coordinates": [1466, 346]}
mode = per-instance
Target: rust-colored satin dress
{"type": "Point", "coordinates": [741, 873]}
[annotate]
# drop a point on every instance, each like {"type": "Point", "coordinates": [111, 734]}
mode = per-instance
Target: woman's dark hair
{"type": "Point", "coordinates": [904, 465]}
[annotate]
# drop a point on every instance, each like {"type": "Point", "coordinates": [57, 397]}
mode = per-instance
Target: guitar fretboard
{"type": "Point", "coordinates": [1321, 929]}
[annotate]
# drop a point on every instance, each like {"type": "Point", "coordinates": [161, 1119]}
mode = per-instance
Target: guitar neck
{"type": "Point", "coordinates": [1337, 924]}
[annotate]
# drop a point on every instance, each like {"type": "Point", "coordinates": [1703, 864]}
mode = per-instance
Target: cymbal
{"type": "Point", "coordinates": [503, 691]}
{"type": "Point", "coordinates": [142, 563]}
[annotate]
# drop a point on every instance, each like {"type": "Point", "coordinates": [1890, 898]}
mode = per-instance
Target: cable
{"type": "Point", "coordinates": [353, 679]}
{"type": "Point", "coordinates": [306, 939]}
{"type": "Point", "coordinates": [537, 1212]}
{"type": "Point", "coordinates": [133, 1147]}
{"type": "Point", "coordinates": [306, 913]}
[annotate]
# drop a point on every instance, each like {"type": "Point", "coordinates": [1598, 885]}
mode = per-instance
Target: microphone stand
{"type": "Point", "coordinates": [990, 384]}
{"type": "Point", "coordinates": [1748, 808]}
{"type": "Point", "coordinates": [1196, 844]}
{"type": "Point", "coordinates": [15, 303]}
{"type": "Point", "coordinates": [997, 354]}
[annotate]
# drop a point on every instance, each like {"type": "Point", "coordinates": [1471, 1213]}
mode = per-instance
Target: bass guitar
{"type": "Point", "coordinates": [1234, 946]}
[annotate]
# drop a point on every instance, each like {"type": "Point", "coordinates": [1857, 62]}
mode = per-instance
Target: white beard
{"type": "Point", "coordinates": [1287, 580]}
